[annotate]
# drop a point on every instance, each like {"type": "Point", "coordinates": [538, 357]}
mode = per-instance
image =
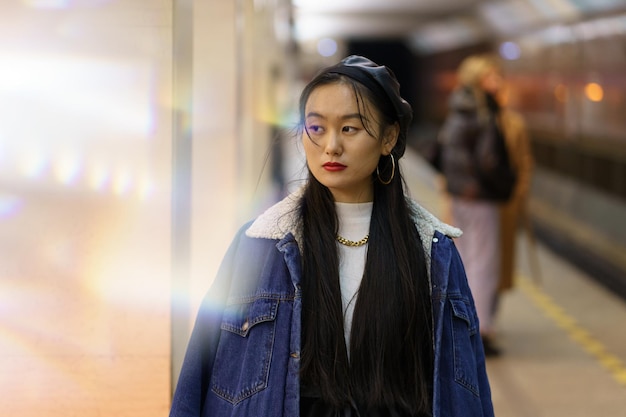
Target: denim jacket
{"type": "Point", "coordinates": [244, 353]}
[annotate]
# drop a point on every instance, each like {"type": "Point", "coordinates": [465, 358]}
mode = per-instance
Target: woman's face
{"type": "Point", "coordinates": [492, 81]}
{"type": "Point", "coordinates": [340, 153]}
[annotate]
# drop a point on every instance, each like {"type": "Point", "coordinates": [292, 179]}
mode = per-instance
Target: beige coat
{"type": "Point", "coordinates": [512, 213]}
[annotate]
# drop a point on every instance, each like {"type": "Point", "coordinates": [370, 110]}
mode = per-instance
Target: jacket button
{"type": "Point", "coordinates": [435, 239]}
{"type": "Point", "coordinates": [245, 326]}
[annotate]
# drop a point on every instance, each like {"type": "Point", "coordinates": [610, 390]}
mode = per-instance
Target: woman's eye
{"type": "Point", "coordinates": [314, 129]}
{"type": "Point", "coordinates": [349, 129]}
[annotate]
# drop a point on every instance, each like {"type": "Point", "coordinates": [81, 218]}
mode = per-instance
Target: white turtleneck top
{"type": "Point", "coordinates": [354, 224]}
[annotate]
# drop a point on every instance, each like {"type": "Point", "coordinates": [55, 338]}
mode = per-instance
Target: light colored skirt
{"type": "Point", "coordinates": [480, 251]}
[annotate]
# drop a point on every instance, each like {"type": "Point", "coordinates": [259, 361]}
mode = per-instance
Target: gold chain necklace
{"type": "Point", "coordinates": [352, 243]}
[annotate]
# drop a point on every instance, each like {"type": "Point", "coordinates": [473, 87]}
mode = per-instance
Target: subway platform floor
{"type": "Point", "coordinates": [561, 333]}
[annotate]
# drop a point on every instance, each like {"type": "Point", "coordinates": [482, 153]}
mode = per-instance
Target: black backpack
{"type": "Point", "coordinates": [496, 173]}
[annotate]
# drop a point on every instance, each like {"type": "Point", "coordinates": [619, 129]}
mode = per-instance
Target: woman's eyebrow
{"type": "Point", "coordinates": [352, 116]}
{"type": "Point", "coordinates": [314, 114]}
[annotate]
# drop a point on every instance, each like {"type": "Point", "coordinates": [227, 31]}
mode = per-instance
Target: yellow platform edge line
{"type": "Point", "coordinates": [575, 331]}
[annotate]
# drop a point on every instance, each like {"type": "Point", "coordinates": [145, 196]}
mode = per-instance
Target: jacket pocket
{"type": "Point", "coordinates": [244, 353]}
{"type": "Point", "coordinates": [464, 332]}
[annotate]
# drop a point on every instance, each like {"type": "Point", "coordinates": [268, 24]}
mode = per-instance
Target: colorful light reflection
{"type": "Point", "coordinates": [84, 277]}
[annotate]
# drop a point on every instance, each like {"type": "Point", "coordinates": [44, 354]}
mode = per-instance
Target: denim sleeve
{"type": "Point", "coordinates": [477, 347]}
{"type": "Point", "coordinates": [461, 386]}
{"type": "Point", "coordinates": [195, 374]}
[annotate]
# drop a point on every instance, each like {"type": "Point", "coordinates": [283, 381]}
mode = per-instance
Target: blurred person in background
{"type": "Point", "coordinates": [346, 298]}
{"type": "Point", "coordinates": [513, 213]}
{"type": "Point", "coordinates": [479, 178]}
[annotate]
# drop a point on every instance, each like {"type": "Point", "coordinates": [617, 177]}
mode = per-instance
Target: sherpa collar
{"type": "Point", "coordinates": [282, 218]}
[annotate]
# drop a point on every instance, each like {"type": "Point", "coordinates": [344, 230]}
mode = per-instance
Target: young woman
{"type": "Point", "coordinates": [346, 298]}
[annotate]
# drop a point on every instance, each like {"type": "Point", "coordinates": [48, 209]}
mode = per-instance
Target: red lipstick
{"type": "Point", "coordinates": [334, 166]}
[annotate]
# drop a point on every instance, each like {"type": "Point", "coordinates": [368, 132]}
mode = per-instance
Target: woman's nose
{"type": "Point", "coordinates": [333, 144]}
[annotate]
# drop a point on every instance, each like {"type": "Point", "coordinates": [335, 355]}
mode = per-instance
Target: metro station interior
{"type": "Point", "coordinates": [138, 135]}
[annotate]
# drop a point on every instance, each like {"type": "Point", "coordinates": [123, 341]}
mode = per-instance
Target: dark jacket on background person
{"type": "Point", "coordinates": [244, 354]}
{"type": "Point", "coordinates": [462, 137]}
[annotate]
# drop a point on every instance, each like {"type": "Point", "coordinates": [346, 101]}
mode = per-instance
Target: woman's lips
{"type": "Point", "coordinates": [334, 166]}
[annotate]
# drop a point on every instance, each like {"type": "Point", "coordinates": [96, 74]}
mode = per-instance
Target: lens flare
{"type": "Point", "coordinates": [9, 205]}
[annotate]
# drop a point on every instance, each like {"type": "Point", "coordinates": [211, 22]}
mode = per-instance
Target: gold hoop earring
{"type": "Point", "coordinates": [393, 171]}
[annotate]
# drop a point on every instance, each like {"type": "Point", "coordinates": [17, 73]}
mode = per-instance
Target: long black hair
{"type": "Point", "coordinates": [391, 354]}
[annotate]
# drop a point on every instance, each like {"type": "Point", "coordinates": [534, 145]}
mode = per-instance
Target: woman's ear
{"type": "Point", "coordinates": [390, 138]}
